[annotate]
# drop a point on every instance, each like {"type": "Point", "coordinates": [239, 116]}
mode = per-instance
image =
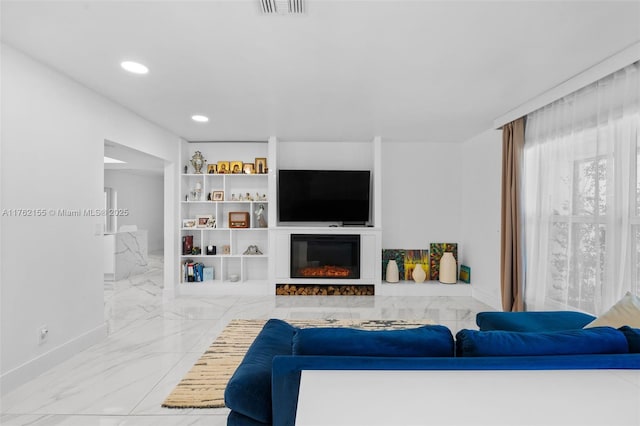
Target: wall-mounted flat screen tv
{"type": "Point", "coordinates": [323, 195]}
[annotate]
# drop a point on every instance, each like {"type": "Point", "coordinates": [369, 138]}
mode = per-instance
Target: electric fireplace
{"type": "Point", "coordinates": [321, 256]}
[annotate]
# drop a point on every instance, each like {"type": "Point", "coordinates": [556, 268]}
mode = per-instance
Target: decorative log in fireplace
{"type": "Point", "coordinates": [324, 271]}
{"type": "Point", "coordinates": [324, 290]}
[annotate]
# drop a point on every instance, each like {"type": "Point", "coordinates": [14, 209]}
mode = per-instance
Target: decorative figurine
{"type": "Point", "coordinates": [197, 161]}
{"type": "Point", "coordinates": [262, 223]}
{"type": "Point", "coordinates": [252, 250]}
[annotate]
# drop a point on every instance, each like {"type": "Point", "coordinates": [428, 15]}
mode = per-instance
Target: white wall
{"type": "Point", "coordinates": [53, 133]}
{"type": "Point", "coordinates": [481, 165]}
{"type": "Point", "coordinates": [421, 194]}
{"type": "Point", "coordinates": [142, 194]}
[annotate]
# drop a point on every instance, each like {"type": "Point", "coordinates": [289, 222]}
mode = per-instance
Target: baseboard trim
{"type": "Point", "coordinates": [33, 368]}
{"type": "Point", "coordinates": [490, 299]}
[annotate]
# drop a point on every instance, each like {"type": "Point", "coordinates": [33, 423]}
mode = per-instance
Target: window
{"type": "Point", "coordinates": [581, 197]}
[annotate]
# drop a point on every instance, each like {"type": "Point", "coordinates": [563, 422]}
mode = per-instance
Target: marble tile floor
{"type": "Point", "coordinates": [152, 343]}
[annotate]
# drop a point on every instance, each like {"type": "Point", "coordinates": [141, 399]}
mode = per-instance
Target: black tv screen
{"type": "Point", "coordinates": [323, 195]}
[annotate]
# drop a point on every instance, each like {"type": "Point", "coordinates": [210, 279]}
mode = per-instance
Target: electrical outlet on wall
{"type": "Point", "coordinates": [43, 334]}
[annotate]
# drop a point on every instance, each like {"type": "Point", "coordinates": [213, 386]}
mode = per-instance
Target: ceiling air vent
{"type": "Point", "coordinates": [282, 7]}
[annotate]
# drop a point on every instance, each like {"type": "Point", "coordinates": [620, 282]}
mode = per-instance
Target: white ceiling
{"type": "Point", "coordinates": [437, 71]}
{"type": "Point", "coordinates": [134, 160]}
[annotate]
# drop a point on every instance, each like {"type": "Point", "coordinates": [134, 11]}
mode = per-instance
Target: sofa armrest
{"type": "Point", "coordinates": [286, 370]}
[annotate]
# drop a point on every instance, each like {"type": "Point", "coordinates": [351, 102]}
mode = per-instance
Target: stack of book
{"type": "Point", "coordinates": [196, 272]}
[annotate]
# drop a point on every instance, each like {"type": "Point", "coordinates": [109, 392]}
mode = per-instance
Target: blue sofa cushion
{"type": "Point", "coordinates": [598, 340]}
{"type": "Point", "coordinates": [429, 340]}
{"type": "Point", "coordinates": [248, 392]}
{"type": "Point", "coordinates": [532, 321]}
{"type": "Point", "coordinates": [633, 338]}
{"type": "Point", "coordinates": [235, 419]}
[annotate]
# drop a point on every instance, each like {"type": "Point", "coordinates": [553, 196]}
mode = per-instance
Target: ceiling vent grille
{"type": "Point", "coordinates": [282, 7]}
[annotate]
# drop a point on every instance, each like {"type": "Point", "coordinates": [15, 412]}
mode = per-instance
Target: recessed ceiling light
{"type": "Point", "coordinates": [112, 160]}
{"type": "Point", "coordinates": [134, 67]}
{"type": "Point", "coordinates": [200, 118]}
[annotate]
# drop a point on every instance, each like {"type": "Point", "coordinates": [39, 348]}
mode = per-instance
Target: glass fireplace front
{"type": "Point", "coordinates": [325, 256]}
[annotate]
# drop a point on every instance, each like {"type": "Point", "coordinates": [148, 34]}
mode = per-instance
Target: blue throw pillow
{"type": "Point", "coordinates": [532, 320]}
{"type": "Point", "coordinates": [633, 338]}
{"type": "Point", "coordinates": [598, 340]}
{"type": "Point", "coordinates": [426, 341]}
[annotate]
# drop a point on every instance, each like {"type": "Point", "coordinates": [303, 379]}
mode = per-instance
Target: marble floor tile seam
{"type": "Point", "coordinates": [158, 383]}
{"type": "Point", "coordinates": [183, 420]}
{"type": "Point", "coordinates": [36, 419]}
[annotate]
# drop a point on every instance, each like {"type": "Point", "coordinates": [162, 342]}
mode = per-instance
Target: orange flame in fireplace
{"type": "Point", "coordinates": [325, 271]}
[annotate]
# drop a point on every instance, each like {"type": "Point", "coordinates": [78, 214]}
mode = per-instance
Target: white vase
{"type": "Point", "coordinates": [448, 267]}
{"type": "Point", "coordinates": [392, 272]}
{"type": "Point", "coordinates": [419, 274]}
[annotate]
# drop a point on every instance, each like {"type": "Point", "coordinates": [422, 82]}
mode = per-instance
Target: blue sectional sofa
{"type": "Point", "coordinates": [264, 388]}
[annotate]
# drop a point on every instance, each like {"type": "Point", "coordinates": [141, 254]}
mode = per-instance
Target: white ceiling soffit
{"type": "Point", "coordinates": [134, 160]}
{"type": "Point", "coordinates": [589, 76]}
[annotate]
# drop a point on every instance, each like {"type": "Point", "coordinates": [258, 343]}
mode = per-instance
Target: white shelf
{"type": "Point", "coordinates": [218, 287]}
{"type": "Point", "coordinates": [223, 202]}
{"type": "Point", "coordinates": [427, 288]}
{"type": "Point", "coordinates": [246, 256]}
{"type": "Point", "coordinates": [224, 229]}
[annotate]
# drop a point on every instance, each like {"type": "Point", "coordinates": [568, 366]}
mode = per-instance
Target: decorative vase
{"type": "Point", "coordinates": [197, 161]}
{"type": "Point", "coordinates": [392, 272]}
{"type": "Point", "coordinates": [419, 274]}
{"type": "Point", "coordinates": [448, 268]}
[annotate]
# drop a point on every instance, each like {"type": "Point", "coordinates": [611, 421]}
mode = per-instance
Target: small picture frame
{"type": "Point", "coordinates": [203, 220]}
{"type": "Point", "coordinates": [236, 167]}
{"type": "Point", "coordinates": [223, 167]}
{"type": "Point", "coordinates": [248, 169]}
{"type": "Point", "coordinates": [212, 168]}
{"type": "Point", "coordinates": [465, 274]}
{"type": "Point", "coordinates": [261, 165]}
{"type": "Point", "coordinates": [211, 223]}
{"type": "Point", "coordinates": [217, 196]}
{"type": "Point", "coordinates": [226, 249]}
{"type": "Point", "coordinates": [188, 223]}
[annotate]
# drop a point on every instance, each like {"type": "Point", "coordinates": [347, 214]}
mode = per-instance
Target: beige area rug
{"type": "Point", "coordinates": [204, 384]}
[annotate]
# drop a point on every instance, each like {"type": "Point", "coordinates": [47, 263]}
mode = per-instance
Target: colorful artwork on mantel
{"type": "Point", "coordinates": [406, 260]}
{"type": "Point", "coordinates": [392, 254]}
{"type": "Point", "coordinates": [437, 250]}
{"type": "Point", "coordinates": [465, 274]}
{"type": "Point", "coordinates": [413, 258]}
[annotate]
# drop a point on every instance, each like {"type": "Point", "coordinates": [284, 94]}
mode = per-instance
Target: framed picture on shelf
{"type": "Point", "coordinates": [261, 165]}
{"type": "Point", "coordinates": [212, 168]}
{"type": "Point", "coordinates": [236, 167]}
{"type": "Point", "coordinates": [203, 220]}
{"type": "Point", "coordinates": [217, 196]}
{"type": "Point", "coordinates": [223, 167]}
{"type": "Point", "coordinates": [188, 223]}
{"type": "Point", "coordinates": [248, 169]}
{"type": "Point", "coordinates": [211, 223]}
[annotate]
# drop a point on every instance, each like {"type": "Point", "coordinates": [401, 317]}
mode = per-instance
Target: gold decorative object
{"type": "Point", "coordinates": [197, 161]}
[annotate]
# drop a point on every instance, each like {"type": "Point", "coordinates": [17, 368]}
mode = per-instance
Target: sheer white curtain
{"type": "Point", "coordinates": [582, 197]}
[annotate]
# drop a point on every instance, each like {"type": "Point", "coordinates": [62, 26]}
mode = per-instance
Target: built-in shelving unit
{"type": "Point", "coordinates": [258, 274]}
{"type": "Point", "coordinates": [206, 201]}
